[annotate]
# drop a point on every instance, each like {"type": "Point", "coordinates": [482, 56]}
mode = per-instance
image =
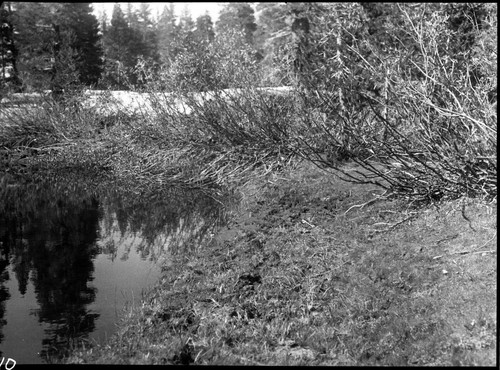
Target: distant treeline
{"type": "Point", "coordinates": [59, 45]}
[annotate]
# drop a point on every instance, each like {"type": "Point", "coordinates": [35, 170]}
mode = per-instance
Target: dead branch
{"type": "Point", "coordinates": [464, 253]}
{"type": "Point", "coordinates": [378, 197]}
{"type": "Point", "coordinates": [392, 226]}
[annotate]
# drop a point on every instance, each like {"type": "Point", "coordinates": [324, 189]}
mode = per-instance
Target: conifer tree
{"type": "Point", "coordinates": [204, 29]}
{"type": "Point", "coordinates": [145, 42]}
{"type": "Point", "coordinates": [78, 18]}
{"type": "Point", "coordinates": [116, 45]}
{"type": "Point", "coordinates": [131, 16]}
{"type": "Point", "coordinates": [56, 38]}
{"type": "Point", "coordinates": [185, 37]}
{"type": "Point", "coordinates": [34, 38]}
{"type": "Point", "coordinates": [103, 22]}
{"type": "Point", "coordinates": [167, 34]}
{"type": "Point", "coordinates": [238, 17]}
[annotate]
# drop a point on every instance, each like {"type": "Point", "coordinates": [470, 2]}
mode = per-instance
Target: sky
{"type": "Point", "coordinates": [196, 9]}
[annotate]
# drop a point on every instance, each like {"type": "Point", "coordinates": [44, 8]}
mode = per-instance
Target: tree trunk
{"type": "Point", "coordinates": [55, 79]}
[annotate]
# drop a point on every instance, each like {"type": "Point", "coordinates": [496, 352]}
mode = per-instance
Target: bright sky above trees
{"type": "Point", "coordinates": [196, 9]}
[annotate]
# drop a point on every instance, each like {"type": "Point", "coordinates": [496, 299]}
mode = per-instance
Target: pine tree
{"type": "Point", "coordinates": [204, 29]}
{"type": "Point", "coordinates": [239, 17]}
{"type": "Point", "coordinates": [57, 41]}
{"type": "Point", "coordinates": [103, 22]}
{"type": "Point", "coordinates": [34, 38]}
{"type": "Point", "coordinates": [167, 34]}
{"type": "Point", "coordinates": [144, 15]}
{"type": "Point", "coordinates": [78, 18]}
{"type": "Point", "coordinates": [147, 29]}
{"type": "Point", "coordinates": [131, 16]}
{"type": "Point", "coordinates": [185, 37]}
{"type": "Point", "coordinates": [118, 35]}
{"type": "Point", "coordinates": [116, 49]}
{"type": "Point", "coordinates": [128, 40]}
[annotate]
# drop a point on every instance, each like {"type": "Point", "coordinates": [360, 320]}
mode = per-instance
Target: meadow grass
{"type": "Point", "coordinates": [310, 271]}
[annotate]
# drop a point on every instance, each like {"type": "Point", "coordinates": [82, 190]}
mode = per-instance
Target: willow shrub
{"type": "Point", "coordinates": [415, 115]}
{"type": "Point", "coordinates": [207, 102]}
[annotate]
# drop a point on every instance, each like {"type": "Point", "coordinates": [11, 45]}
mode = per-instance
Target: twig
{"type": "Point", "coordinates": [308, 223]}
{"type": "Point", "coordinates": [378, 197]}
{"type": "Point", "coordinates": [463, 253]}
{"type": "Point", "coordinates": [494, 237]}
{"type": "Point", "coordinates": [412, 215]}
{"type": "Point", "coordinates": [472, 251]}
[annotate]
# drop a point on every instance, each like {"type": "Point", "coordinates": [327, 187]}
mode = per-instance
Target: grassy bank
{"type": "Point", "coordinates": [311, 271]}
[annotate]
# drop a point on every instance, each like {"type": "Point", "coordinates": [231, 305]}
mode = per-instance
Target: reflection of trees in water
{"type": "Point", "coordinates": [4, 293]}
{"type": "Point", "coordinates": [53, 236]}
{"type": "Point", "coordinates": [61, 283]}
{"type": "Point", "coordinates": [49, 234]}
{"type": "Point", "coordinates": [177, 220]}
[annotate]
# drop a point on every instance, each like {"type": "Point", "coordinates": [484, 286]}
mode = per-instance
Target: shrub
{"type": "Point", "coordinates": [421, 116]}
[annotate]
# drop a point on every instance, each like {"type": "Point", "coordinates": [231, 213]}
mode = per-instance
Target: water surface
{"type": "Point", "coordinates": [71, 260]}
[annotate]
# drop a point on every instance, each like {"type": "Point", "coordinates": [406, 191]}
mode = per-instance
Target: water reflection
{"type": "Point", "coordinates": [50, 236]}
{"type": "Point", "coordinates": [4, 294]}
{"type": "Point", "coordinates": [177, 221]}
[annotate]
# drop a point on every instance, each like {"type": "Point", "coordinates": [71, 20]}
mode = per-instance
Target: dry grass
{"type": "Point", "coordinates": [220, 143]}
{"type": "Point", "coordinates": [301, 277]}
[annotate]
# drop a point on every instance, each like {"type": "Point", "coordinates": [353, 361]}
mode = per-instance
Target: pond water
{"type": "Point", "coordinates": [71, 261]}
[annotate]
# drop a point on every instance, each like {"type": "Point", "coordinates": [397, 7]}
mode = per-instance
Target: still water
{"type": "Point", "coordinates": [72, 260]}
